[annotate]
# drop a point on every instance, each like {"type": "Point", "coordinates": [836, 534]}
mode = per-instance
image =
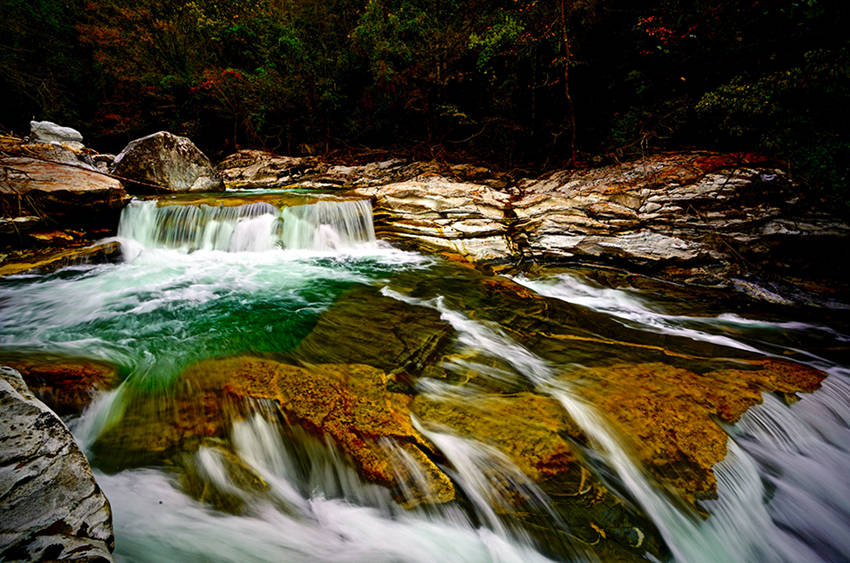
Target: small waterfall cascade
{"type": "Point", "coordinates": [740, 527]}
{"type": "Point", "coordinates": [252, 227]}
{"type": "Point", "coordinates": [327, 225]}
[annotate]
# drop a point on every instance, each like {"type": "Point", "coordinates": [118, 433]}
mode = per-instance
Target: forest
{"type": "Point", "coordinates": [514, 84]}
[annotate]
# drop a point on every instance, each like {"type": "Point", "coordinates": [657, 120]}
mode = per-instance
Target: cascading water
{"type": "Point", "coordinates": [251, 227]}
{"type": "Point", "coordinates": [327, 225]}
{"type": "Point", "coordinates": [210, 281]}
{"type": "Point", "coordinates": [744, 525]}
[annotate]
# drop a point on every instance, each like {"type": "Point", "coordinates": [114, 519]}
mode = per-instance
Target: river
{"type": "Point", "coordinates": [301, 280]}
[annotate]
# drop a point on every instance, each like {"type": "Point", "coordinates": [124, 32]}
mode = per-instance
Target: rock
{"type": "Point", "coordinates": [369, 328]}
{"type": "Point", "coordinates": [49, 132]}
{"type": "Point", "coordinates": [51, 508]}
{"type": "Point", "coordinates": [109, 251]}
{"type": "Point", "coordinates": [679, 213]}
{"type": "Point", "coordinates": [667, 414]}
{"type": "Point", "coordinates": [103, 162]}
{"type": "Point", "coordinates": [347, 404]}
{"type": "Point", "coordinates": [437, 214]}
{"type": "Point", "coordinates": [67, 386]}
{"type": "Point", "coordinates": [697, 217]}
{"type": "Point", "coordinates": [61, 194]}
{"type": "Point", "coordinates": [540, 446]}
{"type": "Point", "coordinates": [260, 169]}
{"type": "Point", "coordinates": [166, 162]}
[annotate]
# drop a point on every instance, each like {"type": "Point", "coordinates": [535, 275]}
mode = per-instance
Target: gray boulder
{"type": "Point", "coordinates": [166, 162]}
{"type": "Point", "coordinates": [51, 508]}
{"type": "Point", "coordinates": [49, 132]}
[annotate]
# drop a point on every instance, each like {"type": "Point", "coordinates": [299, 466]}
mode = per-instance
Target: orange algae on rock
{"type": "Point", "coordinates": [348, 404]}
{"type": "Point", "coordinates": [668, 413]}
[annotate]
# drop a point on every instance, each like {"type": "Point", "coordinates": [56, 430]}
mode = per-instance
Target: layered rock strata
{"type": "Point", "coordinates": [51, 508]}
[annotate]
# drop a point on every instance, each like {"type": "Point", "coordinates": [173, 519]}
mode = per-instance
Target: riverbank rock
{"type": "Point", "coordinates": [250, 169]}
{"type": "Point", "coordinates": [695, 212]}
{"type": "Point", "coordinates": [692, 214]}
{"type": "Point", "coordinates": [349, 404]}
{"type": "Point", "coordinates": [49, 132]}
{"type": "Point", "coordinates": [433, 213]}
{"type": "Point", "coordinates": [39, 197]}
{"type": "Point", "coordinates": [50, 260]}
{"type": "Point", "coordinates": [164, 162]}
{"type": "Point", "coordinates": [52, 508]}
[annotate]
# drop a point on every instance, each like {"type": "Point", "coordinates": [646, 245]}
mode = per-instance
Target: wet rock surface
{"type": "Point", "coordinates": [347, 403]}
{"type": "Point", "coordinates": [163, 162]}
{"type": "Point", "coordinates": [67, 386]}
{"type": "Point", "coordinates": [52, 259]}
{"type": "Point", "coordinates": [369, 328]}
{"type": "Point", "coordinates": [51, 508]}
{"type": "Point", "coordinates": [668, 413]}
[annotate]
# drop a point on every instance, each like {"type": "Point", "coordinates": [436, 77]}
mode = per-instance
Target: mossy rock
{"type": "Point", "coordinates": [537, 435]}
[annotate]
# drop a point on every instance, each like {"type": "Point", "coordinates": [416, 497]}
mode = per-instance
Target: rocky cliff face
{"type": "Point", "coordinates": [51, 508]}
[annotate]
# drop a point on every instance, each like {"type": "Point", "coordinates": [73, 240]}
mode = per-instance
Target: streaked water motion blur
{"type": "Point", "coordinates": [503, 447]}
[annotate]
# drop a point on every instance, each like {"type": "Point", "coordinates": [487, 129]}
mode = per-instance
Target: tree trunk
{"type": "Point", "coordinates": [571, 114]}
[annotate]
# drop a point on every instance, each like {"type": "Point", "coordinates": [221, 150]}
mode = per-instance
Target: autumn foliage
{"type": "Point", "coordinates": [515, 82]}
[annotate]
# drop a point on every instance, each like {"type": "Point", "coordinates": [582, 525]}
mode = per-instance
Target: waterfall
{"type": "Point", "coordinates": [327, 225]}
{"type": "Point", "coordinates": [252, 227]}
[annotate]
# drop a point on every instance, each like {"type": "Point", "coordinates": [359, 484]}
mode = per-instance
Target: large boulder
{"type": "Point", "coordinates": [51, 508]}
{"type": "Point", "coordinates": [49, 132]}
{"type": "Point", "coordinates": [164, 162]}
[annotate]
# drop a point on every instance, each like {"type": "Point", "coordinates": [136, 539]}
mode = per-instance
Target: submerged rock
{"type": "Point", "coordinates": [49, 132]}
{"type": "Point", "coordinates": [51, 508]}
{"type": "Point", "coordinates": [166, 162]}
{"type": "Point", "coordinates": [348, 404]}
{"type": "Point", "coordinates": [538, 436]}
{"type": "Point", "coordinates": [366, 327]}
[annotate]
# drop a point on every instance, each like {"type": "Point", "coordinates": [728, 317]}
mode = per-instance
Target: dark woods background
{"type": "Point", "coordinates": [510, 82]}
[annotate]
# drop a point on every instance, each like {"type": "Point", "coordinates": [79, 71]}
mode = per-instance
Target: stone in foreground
{"type": "Point", "coordinates": [51, 508]}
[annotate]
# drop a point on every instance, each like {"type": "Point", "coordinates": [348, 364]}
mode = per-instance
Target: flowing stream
{"type": "Point", "coordinates": [306, 283]}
